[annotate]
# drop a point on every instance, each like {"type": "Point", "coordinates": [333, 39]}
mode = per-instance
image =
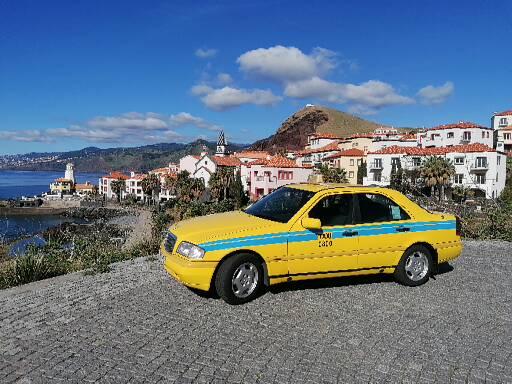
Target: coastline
{"type": "Point", "coordinates": [31, 211]}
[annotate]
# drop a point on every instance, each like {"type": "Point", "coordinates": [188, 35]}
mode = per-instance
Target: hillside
{"type": "Point", "coordinates": [92, 159]}
{"type": "Point", "coordinates": [294, 131]}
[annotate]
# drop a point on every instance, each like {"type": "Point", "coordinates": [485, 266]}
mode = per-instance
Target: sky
{"type": "Point", "coordinates": [102, 73]}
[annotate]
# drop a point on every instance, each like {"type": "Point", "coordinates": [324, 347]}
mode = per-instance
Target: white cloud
{"type": "Point", "coordinates": [130, 127]}
{"type": "Point", "coordinates": [284, 64]}
{"type": "Point", "coordinates": [365, 98]}
{"type": "Point", "coordinates": [436, 95]}
{"type": "Point", "coordinates": [227, 97]}
{"type": "Point", "coordinates": [185, 118]}
{"type": "Point", "coordinates": [224, 79]}
{"type": "Point", "coordinates": [25, 136]}
{"type": "Point", "coordinates": [205, 53]}
{"type": "Point", "coordinates": [201, 89]}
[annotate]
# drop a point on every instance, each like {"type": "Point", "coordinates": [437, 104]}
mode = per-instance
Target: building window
{"type": "Point", "coordinates": [359, 161]}
{"type": "Point", "coordinates": [459, 160]}
{"type": "Point", "coordinates": [416, 161]}
{"type": "Point", "coordinates": [352, 162]}
{"type": "Point", "coordinates": [377, 163]}
{"type": "Point", "coordinates": [507, 136]}
{"type": "Point", "coordinates": [450, 135]}
{"type": "Point", "coordinates": [377, 176]}
{"type": "Point", "coordinates": [351, 174]}
{"type": "Point", "coordinates": [487, 134]}
{"type": "Point", "coordinates": [480, 179]}
{"type": "Point", "coordinates": [466, 136]}
{"type": "Point", "coordinates": [284, 175]}
{"type": "Point", "coordinates": [483, 135]}
{"type": "Point", "coordinates": [458, 178]}
{"type": "Point", "coordinates": [503, 122]}
{"type": "Point", "coordinates": [481, 162]}
{"type": "Point", "coordinates": [355, 144]}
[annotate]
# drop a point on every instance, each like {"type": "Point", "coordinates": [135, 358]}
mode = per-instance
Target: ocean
{"type": "Point", "coordinates": [15, 184]}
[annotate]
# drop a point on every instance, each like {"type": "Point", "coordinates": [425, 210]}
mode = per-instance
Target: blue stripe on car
{"type": "Point", "coordinates": [304, 236]}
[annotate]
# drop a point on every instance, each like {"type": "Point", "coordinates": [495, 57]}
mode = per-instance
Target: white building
{"type": "Point", "coordinates": [502, 125]}
{"type": "Point", "coordinates": [267, 175]}
{"type": "Point", "coordinates": [318, 140]}
{"type": "Point", "coordinates": [314, 156]}
{"type": "Point", "coordinates": [461, 133]}
{"type": "Point", "coordinates": [477, 166]}
{"type": "Point", "coordinates": [105, 184]}
{"type": "Point", "coordinates": [69, 174]}
{"type": "Point", "coordinates": [133, 186]}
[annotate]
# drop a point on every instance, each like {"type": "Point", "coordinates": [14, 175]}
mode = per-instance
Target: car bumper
{"type": "Point", "coordinates": [449, 251]}
{"type": "Point", "coordinates": [194, 274]}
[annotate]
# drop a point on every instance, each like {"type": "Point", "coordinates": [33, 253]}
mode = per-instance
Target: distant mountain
{"type": "Point", "coordinates": [92, 159]}
{"type": "Point", "coordinates": [293, 133]}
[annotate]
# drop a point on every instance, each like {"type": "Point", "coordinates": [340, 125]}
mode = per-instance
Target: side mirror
{"type": "Point", "coordinates": [311, 224]}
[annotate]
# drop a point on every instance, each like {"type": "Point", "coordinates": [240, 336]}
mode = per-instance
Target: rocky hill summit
{"type": "Point", "coordinates": [293, 132]}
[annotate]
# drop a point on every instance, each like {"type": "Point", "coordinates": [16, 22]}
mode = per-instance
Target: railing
{"type": "Point", "coordinates": [376, 165]}
{"type": "Point", "coordinates": [483, 166]}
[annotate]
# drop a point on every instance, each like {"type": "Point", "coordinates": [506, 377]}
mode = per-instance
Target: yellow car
{"type": "Point", "coordinates": [310, 231]}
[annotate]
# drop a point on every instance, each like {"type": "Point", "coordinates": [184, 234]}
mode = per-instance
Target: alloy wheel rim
{"type": "Point", "coordinates": [416, 266]}
{"type": "Point", "coordinates": [245, 280]}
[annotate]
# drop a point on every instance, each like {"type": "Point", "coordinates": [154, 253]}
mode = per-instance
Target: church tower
{"type": "Point", "coordinates": [222, 145]}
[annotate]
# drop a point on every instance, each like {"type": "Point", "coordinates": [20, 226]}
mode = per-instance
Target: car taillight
{"type": "Point", "coordinates": [458, 226]}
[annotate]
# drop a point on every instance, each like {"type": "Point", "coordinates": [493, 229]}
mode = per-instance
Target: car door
{"type": "Point", "coordinates": [331, 249]}
{"type": "Point", "coordinates": [384, 230]}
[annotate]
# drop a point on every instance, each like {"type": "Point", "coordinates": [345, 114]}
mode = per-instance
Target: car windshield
{"type": "Point", "coordinates": [281, 205]}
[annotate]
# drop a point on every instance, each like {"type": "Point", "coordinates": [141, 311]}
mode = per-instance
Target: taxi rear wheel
{"type": "Point", "coordinates": [415, 266]}
{"type": "Point", "coordinates": [239, 278]}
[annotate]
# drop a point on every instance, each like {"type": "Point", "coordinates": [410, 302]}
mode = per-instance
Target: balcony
{"type": "Point", "coordinates": [480, 166]}
{"type": "Point", "coordinates": [465, 140]}
{"type": "Point", "coordinates": [376, 165]}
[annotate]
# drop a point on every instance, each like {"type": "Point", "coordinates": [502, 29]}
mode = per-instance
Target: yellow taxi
{"type": "Point", "coordinates": [310, 231]}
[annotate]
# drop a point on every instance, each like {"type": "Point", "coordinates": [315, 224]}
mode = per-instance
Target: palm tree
{"type": "Point", "coordinates": [333, 175]}
{"type": "Point", "coordinates": [437, 173]}
{"type": "Point", "coordinates": [118, 186]}
{"type": "Point", "coordinates": [151, 186]}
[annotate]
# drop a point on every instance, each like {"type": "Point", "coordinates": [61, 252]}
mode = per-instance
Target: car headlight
{"type": "Point", "coordinates": [190, 250]}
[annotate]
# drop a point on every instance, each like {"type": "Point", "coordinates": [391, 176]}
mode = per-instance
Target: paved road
{"type": "Point", "coordinates": [135, 324]}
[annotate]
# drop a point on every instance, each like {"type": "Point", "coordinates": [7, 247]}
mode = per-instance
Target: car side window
{"type": "Point", "coordinates": [375, 208]}
{"type": "Point", "coordinates": [334, 210]}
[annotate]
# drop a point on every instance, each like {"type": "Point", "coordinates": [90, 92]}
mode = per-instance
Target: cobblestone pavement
{"type": "Point", "coordinates": [135, 324]}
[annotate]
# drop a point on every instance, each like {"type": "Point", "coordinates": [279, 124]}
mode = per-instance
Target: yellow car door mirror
{"type": "Point", "coordinates": [311, 224]}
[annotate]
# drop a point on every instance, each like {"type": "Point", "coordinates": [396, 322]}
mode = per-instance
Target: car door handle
{"type": "Point", "coordinates": [350, 233]}
{"type": "Point", "coordinates": [403, 229]}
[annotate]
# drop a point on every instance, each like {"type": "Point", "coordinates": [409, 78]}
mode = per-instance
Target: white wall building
{"type": "Point", "coordinates": [477, 166]}
{"type": "Point", "coordinates": [105, 184]}
{"type": "Point", "coordinates": [319, 140]}
{"type": "Point", "coordinates": [461, 133]}
{"type": "Point", "coordinates": [267, 175]}
{"type": "Point", "coordinates": [502, 124]}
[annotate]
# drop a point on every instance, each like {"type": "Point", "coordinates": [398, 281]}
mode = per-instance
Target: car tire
{"type": "Point", "coordinates": [415, 266]}
{"type": "Point", "coordinates": [239, 279]}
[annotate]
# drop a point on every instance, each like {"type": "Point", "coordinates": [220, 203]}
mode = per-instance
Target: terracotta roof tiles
{"type": "Point", "coordinates": [352, 152]}
{"type": "Point", "coordinates": [434, 151]}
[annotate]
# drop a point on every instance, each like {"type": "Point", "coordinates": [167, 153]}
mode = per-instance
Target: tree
{"type": "Point", "coordinates": [117, 187]}
{"type": "Point", "coordinates": [333, 175]}
{"type": "Point", "coordinates": [396, 176]}
{"type": "Point", "coordinates": [185, 188]}
{"type": "Point", "coordinates": [221, 183]}
{"type": "Point", "coordinates": [151, 186]}
{"type": "Point", "coordinates": [437, 173]}
{"type": "Point", "coordinates": [361, 173]}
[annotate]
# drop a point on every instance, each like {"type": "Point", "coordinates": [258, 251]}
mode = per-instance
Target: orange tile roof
{"type": "Point", "coordinates": [326, 148]}
{"type": "Point", "coordinates": [281, 162]}
{"type": "Point", "coordinates": [228, 161]}
{"type": "Point", "coordinates": [408, 137]}
{"type": "Point", "coordinates": [504, 113]}
{"type": "Point", "coordinates": [160, 170]}
{"type": "Point", "coordinates": [352, 152]}
{"type": "Point", "coordinates": [252, 154]}
{"type": "Point", "coordinates": [459, 125]}
{"type": "Point", "coordinates": [84, 186]}
{"type": "Point", "coordinates": [434, 151]}
{"type": "Point", "coordinates": [116, 175]}
{"type": "Point", "coordinates": [318, 135]}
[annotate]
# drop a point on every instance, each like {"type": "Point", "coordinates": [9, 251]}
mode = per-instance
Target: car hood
{"type": "Point", "coordinates": [222, 226]}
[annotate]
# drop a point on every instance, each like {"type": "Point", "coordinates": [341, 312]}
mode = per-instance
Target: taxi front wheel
{"type": "Point", "coordinates": [415, 266]}
{"type": "Point", "coordinates": [239, 278]}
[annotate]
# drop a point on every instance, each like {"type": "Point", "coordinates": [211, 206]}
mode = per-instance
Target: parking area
{"type": "Point", "coordinates": [135, 324]}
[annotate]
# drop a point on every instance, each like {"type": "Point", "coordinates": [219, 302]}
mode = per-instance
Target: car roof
{"type": "Point", "coordinates": [316, 187]}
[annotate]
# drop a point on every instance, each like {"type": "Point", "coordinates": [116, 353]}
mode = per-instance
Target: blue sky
{"type": "Point", "coordinates": [116, 73]}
